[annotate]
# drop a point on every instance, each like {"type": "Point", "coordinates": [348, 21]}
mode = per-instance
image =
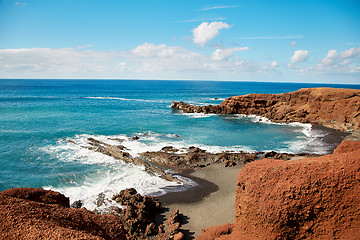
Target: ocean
{"type": "Point", "coordinates": [45, 123]}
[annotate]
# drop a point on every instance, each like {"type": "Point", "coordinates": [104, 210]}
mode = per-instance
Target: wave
{"type": "Point", "coordinates": [110, 177]}
{"type": "Point", "coordinates": [311, 140]}
{"type": "Point", "coordinates": [113, 175]}
{"type": "Point", "coordinates": [198, 115]}
{"type": "Point", "coordinates": [128, 99]}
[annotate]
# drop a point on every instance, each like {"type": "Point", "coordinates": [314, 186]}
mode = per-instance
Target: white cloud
{"type": "Point", "coordinates": [225, 53]}
{"type": "Point", "coordinates": [299, 56]}
{"type": "Point", "coordinates": [346, 61]}
{"type": "Point", "coordinates": [59, 62]}
{"type": "Point", "coordinates": [219, 7]}
{"type": "Point", "coordinates": [350, 53]}
{"type": "Point", "coordinates": [334, 63]}
{"type": "Point", "coordinates": [330, 59]}
{"type": "Point", "coordinates": [145, 60]}
{"type": "Point", "coordinates": [293, 44]}
{"type": "Point", "coordinates": [20, 4]}
{"type": "Point", "coordinates": [151, 58]}
{"type": "Point", "coordinates": [274, 64]}
{"type": "Point", "coordinates": [205, 31]}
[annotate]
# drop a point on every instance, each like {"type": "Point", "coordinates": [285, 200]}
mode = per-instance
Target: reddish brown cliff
{"type": "Point", "coordinates": [34, 213]}
{"type": "Point", "coordinates": [331, 107]}
{"type": "Point", "coordinates": [313, 198]}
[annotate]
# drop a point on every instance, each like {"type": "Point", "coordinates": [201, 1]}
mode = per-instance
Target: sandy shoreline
{"type": "Point", "coordinates": [216, 205]}
{"type": "Point", "coordinates": [211, 203]}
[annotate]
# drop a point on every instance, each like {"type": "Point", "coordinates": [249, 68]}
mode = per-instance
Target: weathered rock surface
{"type": "Point", "coordinates": [313, 198]}
{"type": "Point", "coordinates": [117, 151]}
{"type": "Point", "coordinates": [197, 157]}
{"type": "Point", "coordinates": [24, 216]}
{"type": "Point", "coordinates": [331, 107]}
{"type": "Point", "coordinates": [34, 213]}
{"type": "Point", "coordinates": [38, 195]}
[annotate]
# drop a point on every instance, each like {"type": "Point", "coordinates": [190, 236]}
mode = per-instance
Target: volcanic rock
{"type": "Point", "coordinates": [118, 152]}
{"type": "Point", "coordinates": [312, 198]}
{"type": "Point", "coordinates": [28, 213]}
{"type": "Point", "coordinates": [38, 195]}
{"type": "Point", "coordinates": [332, 107]}
{"type": "Point", "coordinates": [34, 213]}
{"type": "Point", "coordinates": [196, 157]}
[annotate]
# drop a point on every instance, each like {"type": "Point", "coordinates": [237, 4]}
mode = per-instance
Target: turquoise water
{"type": "Point", "coordinates": [37, 117]}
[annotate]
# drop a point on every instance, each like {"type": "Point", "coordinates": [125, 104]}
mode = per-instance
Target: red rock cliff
{"type": "Point", "coordinates": [313, 198]}
{"type": "Point", "coordinates": [331, 107]}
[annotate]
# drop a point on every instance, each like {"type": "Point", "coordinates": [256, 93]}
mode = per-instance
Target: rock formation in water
{"type": "Point", "coordinates": [331, 107]}
{"type": "Point", "coordinates": [34, 213]}
{"type": "Point", "coordinates": [312, 198]}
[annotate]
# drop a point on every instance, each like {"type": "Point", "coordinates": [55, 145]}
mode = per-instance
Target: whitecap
{"type": "Point", "coordinates": [128, 99]}
{"type": "Point", "coordinates": [112, 175]}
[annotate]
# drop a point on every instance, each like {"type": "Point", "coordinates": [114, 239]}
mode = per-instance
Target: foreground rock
{"type": "Point", "coordinates": [313, 198]}
{"type": "Point", "coordinates": [34, 213]}
{"type": "Point", "coordinates": [331, 107]}
{"type": "Point", "coordinates": [23, 217]}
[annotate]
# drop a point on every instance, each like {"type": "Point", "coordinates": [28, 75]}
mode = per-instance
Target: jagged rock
{"type": "Point", "coordinates": [34, 213]}
{"type": "Point", "coordinates": [169, 149]}
{"type": "Point", "coordinates": [196, 157]}
{"type": "Point", "coordinates": [312, 198]}
{"type": "Point", "coordinates": [229, 164]}
{"type": "Point", "coordinates": [28, 213]}
{"type": "Point", "coordinates": [118, 153]}
{"type": "Point", "coordinates": [332, 107]}
{"type": "Point", "coordinates": [38, 195]}
{"type": "Point", "coordinates": [139, 212]}
{"type": "Point", "coordinates": [77, 204]}
{"type": "Point", "coordinates": [171, 227]}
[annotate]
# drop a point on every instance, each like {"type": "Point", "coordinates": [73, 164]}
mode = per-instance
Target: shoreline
{"type": "Point", "coordinates": [211, 202]}
{"type": "Point", "coordinates": [202, 207]}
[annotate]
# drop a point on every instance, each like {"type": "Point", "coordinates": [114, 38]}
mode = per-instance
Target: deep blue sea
{"type": "Point", "coordinates": [38, 117]}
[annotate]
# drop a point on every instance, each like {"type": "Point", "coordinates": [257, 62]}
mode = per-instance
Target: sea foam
{"type": "Point", "coordinates": [110, 177]}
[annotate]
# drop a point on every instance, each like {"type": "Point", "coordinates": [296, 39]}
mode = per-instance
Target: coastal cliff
{"type": "Point", "coordinates": [331, 107]}
{"type": "Point", "coordinates": [34, 213]}
{"type": "Point", "coordinates": [312, 198]}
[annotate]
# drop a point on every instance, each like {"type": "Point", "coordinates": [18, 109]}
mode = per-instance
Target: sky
{"type": "Point", "coordinates": [246, 40]}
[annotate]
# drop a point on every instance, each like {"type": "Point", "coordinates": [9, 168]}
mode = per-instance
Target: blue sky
{"type": "Point", "coordinates": [250, 40]}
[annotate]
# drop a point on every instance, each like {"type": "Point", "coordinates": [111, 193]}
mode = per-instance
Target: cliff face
{"type": "Point", "coordinates": [334, 108]}
{"type": "Point", "coordinates": [27, 213]}
{"type": "Point", "coordinates": [34, 213]}
{"type": "Point", "coordinates": [313, 198]}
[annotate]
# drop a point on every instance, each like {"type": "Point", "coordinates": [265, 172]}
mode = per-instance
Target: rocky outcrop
{"type": "Point", "coordinates": [196, 157]}
{"type": "Point", "coordinates": [312, 198]}
{"type": "Point", "coordinates": [179, 159]}
{"type": "Point", "coordinates": [331, 107]}
{"type": "Point", "coordinates": [118, 152]}
{"type": "Point", "coordinates": [34, 213]}
{"type": "Point", "coordinates": [38, 195]}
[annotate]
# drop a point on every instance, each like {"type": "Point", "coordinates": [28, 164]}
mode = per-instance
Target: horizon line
{"type": "Point", "coordinates": [150, 79]}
